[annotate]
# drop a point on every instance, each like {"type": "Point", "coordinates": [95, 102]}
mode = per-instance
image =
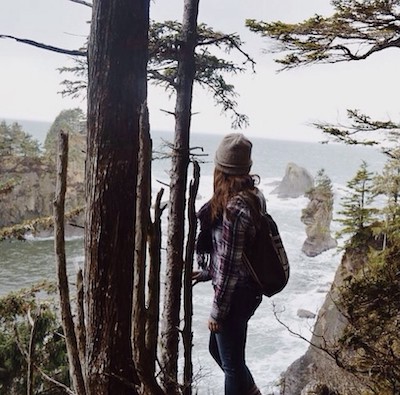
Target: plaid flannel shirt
{"type": "Point", "coordinates": [227, 269]}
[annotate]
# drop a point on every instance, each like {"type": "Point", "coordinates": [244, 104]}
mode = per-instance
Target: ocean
{"type": "Point", "coordinates": [270, 347]}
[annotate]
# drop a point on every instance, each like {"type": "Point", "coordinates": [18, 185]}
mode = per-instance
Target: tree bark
{"type": "Point", "coordinates": [62, 277]}
{"type": "Point", "coordinates": [180, 161]}
{"type": "Point", "coordinates": [116, 92]}
{"type": "Point", "coordinates": [144, 363]}
{"type": "Point", "coordinates": [30, 355]}
{"type": "Point", "coordinates": [142, 223]}
{"type": "Point", "coordinates": [80, 321]}
{"type": "Point", "coordinates": [153, 301]}
{"type": "Point", "coordinates": [187, 333]}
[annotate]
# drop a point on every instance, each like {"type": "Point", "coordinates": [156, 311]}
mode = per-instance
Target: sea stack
{"type": "Point", "coordinates": [296, 182]}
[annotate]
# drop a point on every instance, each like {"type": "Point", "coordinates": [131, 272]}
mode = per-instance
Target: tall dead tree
{"type": "Point", "coordinates": [117, 57]}
{"type": "Point", "coordinates": [187, 333]}
{"type": "Point", "coordinates": [75, 363]}
{"type": "Point", "coordinates": [180, 161]}
{"type": "Point", "coordinates": [145, 324]}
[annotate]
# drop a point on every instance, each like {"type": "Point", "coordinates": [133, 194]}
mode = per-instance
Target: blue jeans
{"type": "Point", "coordinates": [227, 347]}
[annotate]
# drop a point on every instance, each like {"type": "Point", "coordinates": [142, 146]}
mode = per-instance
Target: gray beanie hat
{"type": "Point", "coordinates": [233, 155]}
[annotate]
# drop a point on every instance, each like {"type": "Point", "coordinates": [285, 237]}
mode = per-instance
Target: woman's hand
{"type": "Point", "coordinates": [213, 325]}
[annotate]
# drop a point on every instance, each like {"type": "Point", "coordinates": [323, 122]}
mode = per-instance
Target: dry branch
{"type": "Point", "coordinates": [45, 46]}
{"type": "Point", "coordinates": [59, 245]}
{"type": "Point", "coordinates": [80, 325]}
{"type": "Point", "coordinates": [31, 355]}
{"type": "Point", "coordinates": [187, 333]}
{"type": "Point", "coordinates": [85, 3]}
{"type": "Point", "coordinates": [67, 390]}
{"type": "Point", "coordinates": [144, 361]}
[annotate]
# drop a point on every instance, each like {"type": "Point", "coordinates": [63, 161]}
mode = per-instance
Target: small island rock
{"type": "Point", "coordinates": [296, 182]}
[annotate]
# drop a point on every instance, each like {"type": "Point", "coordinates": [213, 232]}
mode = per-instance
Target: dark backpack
{"type": "Point", "coordinates": [267, 261]}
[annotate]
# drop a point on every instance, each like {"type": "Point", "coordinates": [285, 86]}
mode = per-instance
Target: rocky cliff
{"type": "Point", "coordinates": [30, 185]}
{"type": "Point", "coordinates": [317, 217]}
{"type": "Point", "coordinates": [296, 182]}
{"type": "Point", "coordinates": [317, 372]}
{"type": "Point", "coordinates": [31, 189]}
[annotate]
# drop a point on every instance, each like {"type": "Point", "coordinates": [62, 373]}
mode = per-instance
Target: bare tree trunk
{"type": "Point", "coordinates": [30, 356]}
{"type": "Point", "coordinates": [142, 223]}
{"type": "Point", "coordinates": [80, 324]}
{"type": "Point", "coordinates": [187, 333]}
{"type": "Point", "coordinates": [144, 363]}
{"type": "Point", "coordinates": [180, 161]}
{"type": "Point", "coordinates": [62, 277]}
{"type": "Point", "coordinates": [116, 92]}
{"type": "Point", "coordinates": [153, 301]}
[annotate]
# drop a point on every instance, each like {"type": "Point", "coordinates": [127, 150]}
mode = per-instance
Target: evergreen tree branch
{"type": "Point", "coordinates": [233, 42]}
{"type": "Point", "coordinates": [361, 130]}
{"type": "Point", "coordinates": [158, 78]}
{"type": "Point", "coordinates": [355, 31]}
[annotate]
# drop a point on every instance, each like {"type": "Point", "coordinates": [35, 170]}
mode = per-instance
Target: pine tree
{"type": "Point", "coordinates": [323, 183]}
{"type": "Point", "coordinates": [356, 30]}
{"type": "Point", "coordinates": [15, 141]}
{"type": "Point", "coordinates": [388, 185]}
{"type": "Point", "coordinates": [357, 212]}
{"type": "Point", "coordinates": [5, 139]}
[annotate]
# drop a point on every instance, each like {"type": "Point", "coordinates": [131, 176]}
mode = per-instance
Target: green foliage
{"type": "Point", "coordinates": [77, 87]}
{"type": "Point", "coordinates": [15, 142]}
{"type": "Point", "coordinates": [362, 130]}
{"type": "Point", "coordinates": [322, 186]}
{"type": "Point", "coordinates": [211, 70]}
{"type": "Point", "coordinates": [71, 121]}
{"type": "Point", "coordinates": [322, 192]}
{"type": "Point", "coordinates": [29, 317]}
{"type": "Point", "coordinates": [357, 211]}
{"type": "Point", "coordinates": [388, 185]}
{"type": "Point", "coordinates": [357, 29]}
{"type": "Point", "coordinates": [370, 345]}
{"type": "Point", "coordinates": [369, 298]}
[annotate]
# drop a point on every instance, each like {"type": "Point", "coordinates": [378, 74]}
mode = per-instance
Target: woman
{"type": "Point", "coordinates": [227, 224]}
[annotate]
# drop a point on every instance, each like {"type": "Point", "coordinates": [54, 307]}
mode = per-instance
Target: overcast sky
{"type": "Point", "coordinates": [279, 105]}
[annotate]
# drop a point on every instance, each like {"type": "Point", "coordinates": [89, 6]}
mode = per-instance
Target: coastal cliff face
{"type": "Point", "coordinates": [31, 190]}
{"type": "Point", "coordinates": [317, 217]}
{"type": "Point", "coordinates": [31, 185]}
{"type": "Point", "coordinates": [317, 372]}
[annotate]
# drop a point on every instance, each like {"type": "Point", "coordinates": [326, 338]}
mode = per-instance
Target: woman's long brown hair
{"type": "Point", "coordinates": [227, 186]}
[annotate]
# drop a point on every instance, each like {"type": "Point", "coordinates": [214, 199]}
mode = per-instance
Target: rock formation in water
{"type": "Point", "coordinates": [28, 183]}
{"type": "Point", "coordinates": [30, 192]}
{"type": "Point", "coordinates": [296, 182]}
{"type": "Point", "coordinates": [317, 217]}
